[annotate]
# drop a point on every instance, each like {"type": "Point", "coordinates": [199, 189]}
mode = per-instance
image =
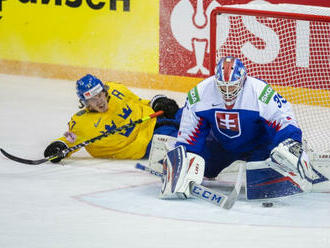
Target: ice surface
{"type": "Point", "coordinates": [87, 202]}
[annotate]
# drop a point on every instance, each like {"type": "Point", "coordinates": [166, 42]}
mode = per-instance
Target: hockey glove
{"type": "Point", "coordinates": [169, 106]}
{"type": "Point", "coordinates": [292, 158]}
{"type": "Point", "coordinates": [54, 148]}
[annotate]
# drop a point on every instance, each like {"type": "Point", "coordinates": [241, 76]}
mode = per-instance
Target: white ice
{"type": "Point", "coordinates": [85, 202]}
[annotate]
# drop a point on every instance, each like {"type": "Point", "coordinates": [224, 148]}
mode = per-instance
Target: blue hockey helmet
{"type": "Point", "coordinates": [230, 76]}
{"type": "Point", "coordinates": [88, 86]}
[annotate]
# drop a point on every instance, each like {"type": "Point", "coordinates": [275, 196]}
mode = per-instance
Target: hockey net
{"type": "Point", "coordinates": [289, 51]}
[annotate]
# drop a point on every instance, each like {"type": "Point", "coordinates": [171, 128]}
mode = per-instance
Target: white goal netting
{"type": "Point", "coordinates": [289, 51]}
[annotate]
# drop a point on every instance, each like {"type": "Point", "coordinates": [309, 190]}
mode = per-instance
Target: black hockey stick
{"type": "Point", "coordinates": [64, 152]}
{"type": "Point", "coordinates": [207, 194]}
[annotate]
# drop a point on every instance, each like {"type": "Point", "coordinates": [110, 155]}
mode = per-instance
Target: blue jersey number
{"type": "Point", "coordinates": [71, 124]}
{"type": "Point", "coordinates": [280, 100]}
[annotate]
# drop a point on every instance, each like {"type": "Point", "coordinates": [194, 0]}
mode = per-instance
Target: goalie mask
{"type": "Point", "coordinates": [230, 76]}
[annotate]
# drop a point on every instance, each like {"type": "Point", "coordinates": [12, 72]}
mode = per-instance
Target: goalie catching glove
{"type": "Point", "coordinates": [180, 168]}
{"type": "Point", "coordinates": [292, 158]}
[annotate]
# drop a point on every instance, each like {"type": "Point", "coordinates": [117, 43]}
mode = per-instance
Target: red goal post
{"type": "Point", "coordinates": [290, 51]}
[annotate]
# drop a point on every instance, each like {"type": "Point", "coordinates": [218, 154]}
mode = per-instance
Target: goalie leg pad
{"type": "Point", "coordinates": [265, 180]}
{"type": "Point", "coordinates": [180, 168]}
{"type": "Point", "coordinates": [159, 147]}
{"type": "Point", "coordinates": [278, 176]}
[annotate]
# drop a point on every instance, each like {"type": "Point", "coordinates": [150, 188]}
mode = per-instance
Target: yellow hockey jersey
{"type": "Point", "coordinates": [124, 107]}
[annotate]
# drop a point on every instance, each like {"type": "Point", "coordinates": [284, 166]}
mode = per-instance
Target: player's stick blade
{"type": "Point", "coordinates": [22, 160]}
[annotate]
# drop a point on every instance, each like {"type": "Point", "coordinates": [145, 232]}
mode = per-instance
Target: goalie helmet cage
{"type": "Point", "coordinates": [290, 51]}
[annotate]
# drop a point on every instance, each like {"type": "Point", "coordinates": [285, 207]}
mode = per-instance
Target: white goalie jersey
{"type": "Point", "coordinates": [259, 117]}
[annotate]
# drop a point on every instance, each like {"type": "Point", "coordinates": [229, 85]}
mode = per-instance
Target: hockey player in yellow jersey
{"type": "Point", "coordinates": [111, 105]}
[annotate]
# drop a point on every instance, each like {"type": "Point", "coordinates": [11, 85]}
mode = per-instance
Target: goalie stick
{"type": "Point", "coordinates": [207, 194]}
{"type": "Point", "coordinates": [82, 144]}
